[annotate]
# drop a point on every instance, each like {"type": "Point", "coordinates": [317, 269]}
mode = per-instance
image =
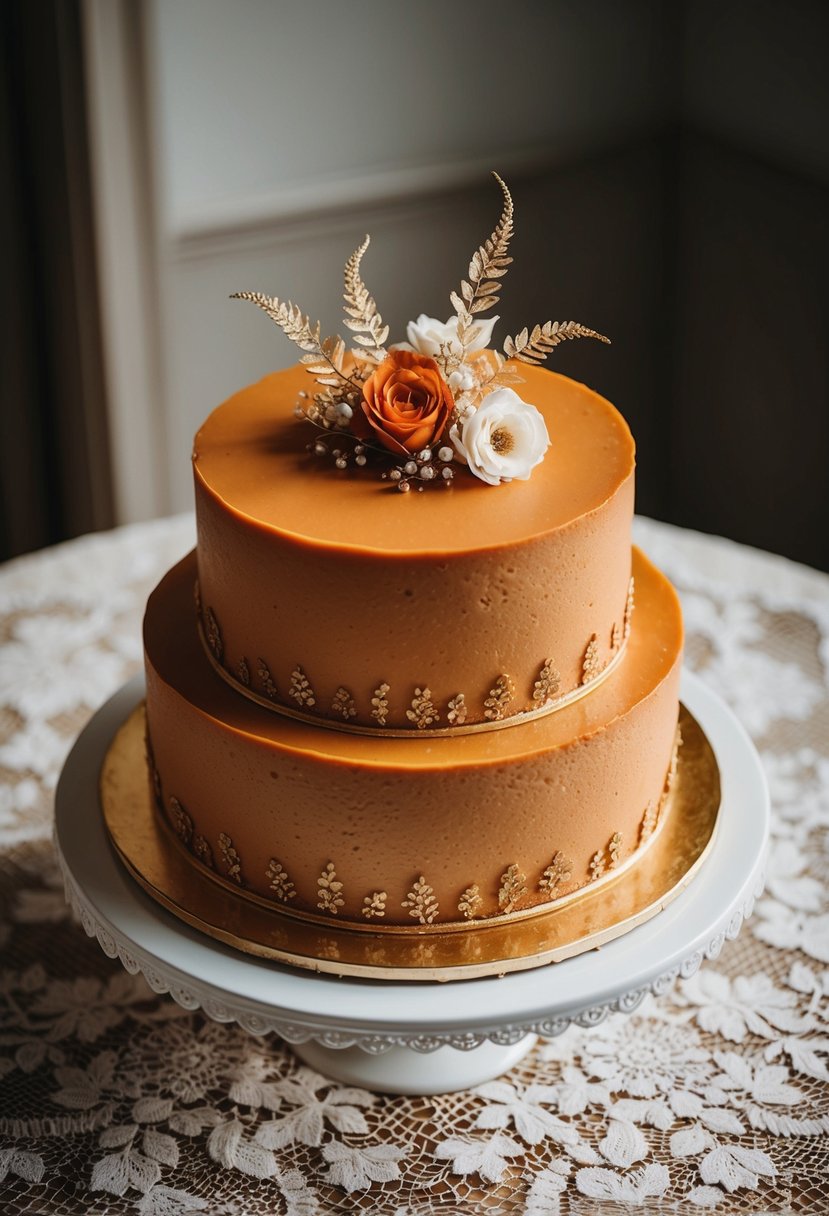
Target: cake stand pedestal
{"type": "Point", "coordinates": [398, 1037]}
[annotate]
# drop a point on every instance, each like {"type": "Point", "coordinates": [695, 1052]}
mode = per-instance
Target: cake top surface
{"type": "Point", "coordinates": [252, 455]}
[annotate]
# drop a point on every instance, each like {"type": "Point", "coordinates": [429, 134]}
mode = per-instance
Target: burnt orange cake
{"type": "Point", "coordinates": [401, 681]}
{"type": "Point", "coordinates": [303, 738]}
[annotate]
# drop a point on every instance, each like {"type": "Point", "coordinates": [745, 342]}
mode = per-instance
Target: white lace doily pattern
{"type": "Point", "coordinates": [114, 1098]}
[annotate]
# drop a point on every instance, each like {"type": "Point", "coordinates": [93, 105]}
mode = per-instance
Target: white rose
{"type": "Point", "coordinates": [503, 440]}
{"type": "Point", "coordinates": [426, 335]}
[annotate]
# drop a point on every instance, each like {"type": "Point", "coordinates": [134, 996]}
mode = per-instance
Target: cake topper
{"type": "Point", "coordinates": [441, 400]}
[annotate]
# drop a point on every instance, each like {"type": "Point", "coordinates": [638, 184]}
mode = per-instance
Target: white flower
{"type": "Point", "coordinates": [503, 440]}
{"type": "Point", "coordinates": [426, 335]}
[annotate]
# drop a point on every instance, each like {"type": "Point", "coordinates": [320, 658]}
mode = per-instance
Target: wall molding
{"type": "Point", "coordinates": [336, 202]}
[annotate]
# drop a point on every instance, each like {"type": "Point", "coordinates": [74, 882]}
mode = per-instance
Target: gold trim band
{"type": "Point", "coordinates": [409, 732]}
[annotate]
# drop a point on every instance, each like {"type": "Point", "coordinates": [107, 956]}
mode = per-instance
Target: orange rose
{"type": "Point", "coordinates": [406, 404]}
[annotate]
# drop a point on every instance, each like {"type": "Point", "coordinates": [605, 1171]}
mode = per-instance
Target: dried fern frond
{"type": "Point", "coordinates": [361, 315]}
{"type": "Point", "coordinates": [325, 355]}
{"type": "Point", "coordinates": [535, 347]}
{"type": "Point", "coordinates": [489, 264]}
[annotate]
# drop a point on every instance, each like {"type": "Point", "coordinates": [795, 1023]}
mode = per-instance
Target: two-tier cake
{"type": "Point", "coordinates": [413, 675]}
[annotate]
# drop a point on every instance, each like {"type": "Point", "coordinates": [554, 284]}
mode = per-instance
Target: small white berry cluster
{"type": "Point", "coordinates": [340, 456]}
{"type": "Point", "coordinates": [424, 467]}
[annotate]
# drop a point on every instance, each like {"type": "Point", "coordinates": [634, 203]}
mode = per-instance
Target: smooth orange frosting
{"type": "Point", "coordinates": [337, 575]}
{"type": "Point", "coordinates": [281, 802]}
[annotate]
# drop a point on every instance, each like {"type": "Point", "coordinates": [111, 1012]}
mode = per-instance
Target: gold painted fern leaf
{"type": "Point", "coordinates": [489, 264]}
{"type": "Point", "coordinates": [535, 347]}
{"type": "Point", "coordinates": [324, 355]}
{"type": "Point", "coordinates": [361, 315]}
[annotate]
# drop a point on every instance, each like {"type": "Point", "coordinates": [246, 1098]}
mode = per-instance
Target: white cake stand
{"type": "Point", "coordinates": [414, 1038]}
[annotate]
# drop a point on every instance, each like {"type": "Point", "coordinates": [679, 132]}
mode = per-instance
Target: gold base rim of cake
{"type": "Point", "coordinates": [580, 921]}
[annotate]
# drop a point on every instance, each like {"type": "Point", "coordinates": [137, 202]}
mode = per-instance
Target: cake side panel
{"type": "Point", "coordinates": [354, 635]}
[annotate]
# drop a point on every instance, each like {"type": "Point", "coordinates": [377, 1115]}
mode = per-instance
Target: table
{"type": "Point", "coordinates": [115, 1099]}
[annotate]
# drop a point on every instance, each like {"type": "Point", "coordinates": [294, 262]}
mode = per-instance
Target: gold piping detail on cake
{"type": "Point", "coordinates": [615, 637]}
{"type": "Point", "coordinates": [301, 689]}
{"type": "Point", "coordinates": [380, 704]}
{"type": "Point", "coordinates": [470, 902]}
{"type": "Point", "coordinates": [557, 872]}
{"type": "Point", "coordinates": [423, 711]}
{"type": "Point", "coordinates": [421, 902]}
{"type": "Point", "coordinates": [267, 679]}
{"type": "Point", "coordinates": [202, 850]}
{"type": "Point", "coordinates": [500, 695]}
{"type": "Point", "coordinates": [649, 821]}
{"type": "Point", "coordinates": [629, 606]}
{"type": "Point", "coordinates": [214, 635]}
{"type": "Point", "coordinates": [343, 705]}
{"type": "Point", "coordinates": [243, 672]}
{"type": "Point", "coordinates": [512, 889]}
{"type": "Point", "coordinates": [547, 684]}
{"type": "Point", "coordinates": [181, 821]}
{"type": "Point", "coordinates": [268, 700]}
{"type": "Point", "coordinates": [458, 709]}
{"type": "Point", "coordinates": [330, 888]}
{"type": "Point", "coordinates": [279, 882]}
{"type": "Point", "coordinates": [607, 858]}
{"type": "Point", "coordinates": [374, 905]}
{"type": "Point", "coordinates": [591, 666]}
{"type": "Point", "coordinates": [232, 860]}
{"type": "Point", "coordinates": [598, 865]}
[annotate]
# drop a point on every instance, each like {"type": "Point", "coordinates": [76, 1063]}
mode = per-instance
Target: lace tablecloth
{"type": "Point", "coordinates": [114, 1099]}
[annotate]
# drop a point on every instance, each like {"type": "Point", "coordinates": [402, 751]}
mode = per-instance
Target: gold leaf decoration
{"type": "Point", "coordinates": [591, 665]}
{"type": "Point", "coordinates": [615, 850]}
{"type": "Point", "coordinates": [214, 635]}
{"type": "Point", "coordinates": [457, 710]}
{"type": "Point", "coordinates": [300, 689]}
{"type": "Point", "coordinates": [423, 711]}
{"type": "Point", "coordinates": [547, 684]}
{"type": "Point", "coordinates": [295, 325]}
{"type": "Point", "coordinates": [279, 882]}
{"type": "Point", "coordinates": [556, 873]}
{"type": "Point", "coordinates": [495, 706]}
{"type": "Point", "coordinates": [512, 889]}
{"type": "Point", "coordinates": [629, 605]}
{"type": "Point", "coordinates": [203, 851]}
{"type": "Point", "coordinates": [343, 704]}
{"type": "Point", "coordinates": [650, 819]}
{"type": "Point", "coordinates": [598, 865]}
{"type": "Point", "coordinates": [421, 902]}
{"type": "Point", "coordinates": [182, 823]}
{"type": "Point", "coordinates": [374, 905]}
{"type": "Point", "coordinates": [380, 704]}
{"type": "Point", "coordinates": [615, 637]}
{"type": "Point", "coordinates": [489, 264]}
{"type": "Point", "coordinates": [470, 902]}
{"type": "Point", "coordinates": [329, 888]}
{"type": "Point", "coordinates": [232, 860]}
{"type": "Point", "coordinates": [534, 347]}
{"type": "Point", "coordinates": [361, 315]}
{"type": "Point", "coordinates": [268, 685]}
{"type": "Point", "coordinates": [243, 672]}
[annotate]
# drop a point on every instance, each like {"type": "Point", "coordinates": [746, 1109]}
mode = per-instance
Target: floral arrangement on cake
{"type": "Point", "coordinates": [441, 399]}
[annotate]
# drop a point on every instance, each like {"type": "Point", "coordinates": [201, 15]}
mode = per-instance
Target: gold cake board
{"type": "Point", "coordinates": [590, 919]}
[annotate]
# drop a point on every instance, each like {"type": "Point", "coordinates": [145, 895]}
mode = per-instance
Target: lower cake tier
{"type": "Point", "coordinates": [418, 831]}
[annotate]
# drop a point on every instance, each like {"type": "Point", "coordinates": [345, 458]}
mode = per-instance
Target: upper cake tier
{"type": "Point", "coordinates": [357, 606]}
